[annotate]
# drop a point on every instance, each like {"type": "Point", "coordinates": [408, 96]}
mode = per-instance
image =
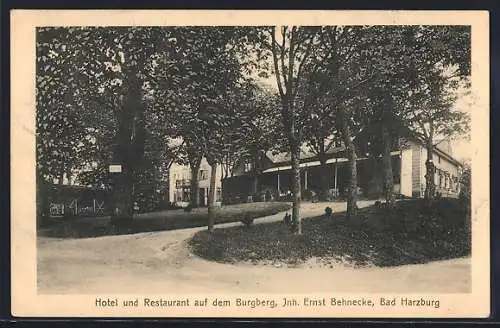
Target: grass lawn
{"type": "Point", "coordinates": [411, 233]}
{"type": "Point", "coordinates": [164, 220]}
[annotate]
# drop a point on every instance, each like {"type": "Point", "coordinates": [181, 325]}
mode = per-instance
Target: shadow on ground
{"type": "Point", "coordinates": [411, 233]}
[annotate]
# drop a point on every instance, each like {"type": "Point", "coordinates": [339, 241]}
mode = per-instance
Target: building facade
{"type": "Point", "coordinates": [273, 179]}
{"type": "Point", "coordinates": [180, 184]}
{"type": "Point", "coordinates": [447, 176]}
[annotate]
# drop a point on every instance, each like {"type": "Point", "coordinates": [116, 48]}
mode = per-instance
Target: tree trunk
{"type": "Point", "coordinates": [61, 178]}
{"type": "Point", "coordinates": [195, 186]}
{"type": "Point", "coordinates": [375, 183]}
{"type": "Point", "coordinates": [287, 96]}
{"type": "Point", "coordinates": [325, 183]}
{"type": "Point", "coordinates": [211, 197]}
{"type": "Point", "coordinates": [387, 164]}
{"type": "Point", "coordinates": [255, 172]}
{"type": "Point", "coordinates": [42, 197]}
{"type": "Point", "coordinates": [352, 193]}
{"type": "Point", "coordinates": [122, 196]}
{"type": "Point", "coordinates": [430, 185]}
{"type": "Point", "coordinates": [296, 217]}
{"type": "Point", "coordinates": [129, 149]}
{"type": "Point", "coordinates": [69, 176]}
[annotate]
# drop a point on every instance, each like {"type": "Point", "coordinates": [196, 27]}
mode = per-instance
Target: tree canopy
{"type": "Point", "coordinates": [123, 94]}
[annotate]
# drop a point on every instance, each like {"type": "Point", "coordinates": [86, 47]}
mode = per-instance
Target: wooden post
{"type": "Point", "coordinates": [279, 193]}
{"type": "Point", "coordinates": [335, 180]}
{"type": "Point", "coordinates": [305, 179]}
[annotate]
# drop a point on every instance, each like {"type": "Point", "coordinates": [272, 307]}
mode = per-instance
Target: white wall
{"type": "Point", "coordinates": [440, 163]}
{"type": "Point", "coordinates": [178, 172]}
{"type": "Point", "coordinates": [406, 172]}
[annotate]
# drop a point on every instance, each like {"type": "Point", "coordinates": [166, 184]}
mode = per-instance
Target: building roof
{"type": "Point", "coordinates": [443, 149]}
{"type": "Point", "coordinates": [305, 154]}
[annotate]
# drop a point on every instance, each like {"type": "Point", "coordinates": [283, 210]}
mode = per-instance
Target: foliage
{"type": "Point", "coordinates": [291, 48]}
{"type": "Point", "coordinates": [256, 128]}
{"type": "Point", "coordinates": [416, 236]}
{"type": "Point", "coordinates": [373, 74]}
{"type": "Point", "coordinates": [82, 79]}
{"type": "Point", "coordinates": [152, 96]}
{"type": "Point", "coordinates": [247, 221]}
{"type": "Point", "coordinates": [465, 188]}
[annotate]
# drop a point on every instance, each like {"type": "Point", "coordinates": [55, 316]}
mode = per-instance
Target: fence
{"type": "Point", "coordinates": [64, 200]}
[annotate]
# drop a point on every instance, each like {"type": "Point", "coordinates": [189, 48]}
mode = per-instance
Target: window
{"type": "Point", "coordinates": [248, 167]}
{"type": "Point", "coordinates": [439, 159]}
{"type": "Point", "coordinates": [218, 196]}
{"type": "Point", "coordinates": [203, 174]}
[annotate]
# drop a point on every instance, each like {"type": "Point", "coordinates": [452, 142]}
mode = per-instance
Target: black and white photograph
{"type": "Point", "coordinates": [313, 164]}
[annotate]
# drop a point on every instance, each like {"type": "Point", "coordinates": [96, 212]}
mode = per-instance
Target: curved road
{"type": "Point", "coordinates": [161, 262]}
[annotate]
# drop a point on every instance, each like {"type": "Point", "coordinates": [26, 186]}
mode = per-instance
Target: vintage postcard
{"type": "Point", "coordinates": [204, 163]}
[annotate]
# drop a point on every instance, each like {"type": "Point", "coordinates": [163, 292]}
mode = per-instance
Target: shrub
{"type": "Point", "coordinates": [418, 235]}
{"type": "Point", "coordinates": [158, 221]}
{"type": "Point", "coordinates": [465, 190]}
{"type": "Point", "coordinates": [247, 221]}
{"type": "Point", "coordinates": [328, 211]}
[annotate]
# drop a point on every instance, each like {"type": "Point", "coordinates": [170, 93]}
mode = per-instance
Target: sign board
{"type": "Point", "coordinates": [115, 168]}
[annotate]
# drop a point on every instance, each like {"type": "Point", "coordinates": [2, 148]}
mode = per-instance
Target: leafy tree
{"type": "Point", "coordinates": [316, 119]}
{"type": "Point", "coordinates": [256, 129]}
{"type": "Point", "coordinates": [441, 62]}
{"type": "Point", "coordinates": [68, 125]}
{"type": "Point", "coordinates": [336, 77]}
{"type": "Point", "coordinates": [106, 69]}
{"type": "Point", "coordinates": [209, 68]}
{"type": "Point", "coordinates": [390, 61]}
{"type": "Point", "coordinates": [371, 72]}
{"type": "Point", "coordinates": [63, 128]}
{"type": "Point", "coordinates": [291, 48]}
{"type": "Point", "coordinates": [465, 193]}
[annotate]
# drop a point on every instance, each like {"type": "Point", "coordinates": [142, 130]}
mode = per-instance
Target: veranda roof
{"type": "Point", "coordinates": [317, 163]}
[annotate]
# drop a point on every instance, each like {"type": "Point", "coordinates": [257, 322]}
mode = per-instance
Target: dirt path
{"type": "Point", "coordinates": [161, 262]}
